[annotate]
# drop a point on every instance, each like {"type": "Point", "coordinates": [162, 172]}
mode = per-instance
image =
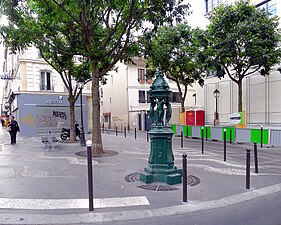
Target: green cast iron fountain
{"type": "Point", "coordinates": [161, 166]}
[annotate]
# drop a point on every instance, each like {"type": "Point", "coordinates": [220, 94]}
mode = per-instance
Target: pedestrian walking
{"type": "Point", "coordinates": [2, 122]}
{"type": "Point", "coordinates": [13, 128]}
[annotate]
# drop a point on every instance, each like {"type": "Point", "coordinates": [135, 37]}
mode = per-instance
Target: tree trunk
{"type": "Point", "coordinates": [72, 118]}
{"type": "Point", "coordinates": [182, 105]}
{"type": "Point", "coordinates": [96, 127]}
{"type": "Point", "coordinates": [240, 108]}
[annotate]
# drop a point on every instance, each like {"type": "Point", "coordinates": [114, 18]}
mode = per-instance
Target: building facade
{"type": "Point", "coordinates": [125, 99]}
{"type": "Point", "coordinates": [261, 95]}
{"type": "Point", "coordinates": [35, 94]}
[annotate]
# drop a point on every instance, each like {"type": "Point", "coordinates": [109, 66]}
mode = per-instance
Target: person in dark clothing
{"type": "Point", "coordinates": [2, 122]}
{"type": "Point", "coordinates": [13, 127]}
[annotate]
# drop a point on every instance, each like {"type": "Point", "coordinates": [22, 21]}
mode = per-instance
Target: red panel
{"type": "Point", "coordinates": [190, 118]}
{"type": "Point", "coordinates": [200, 118]}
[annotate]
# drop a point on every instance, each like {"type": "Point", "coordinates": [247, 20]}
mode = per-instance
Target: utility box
{"type": "Point", "coordinates": [195, 118]}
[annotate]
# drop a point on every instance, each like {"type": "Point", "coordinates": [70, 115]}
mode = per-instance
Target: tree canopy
{"type": "Point", "coordinates": [242, 40]}
{"type": "Point", "coordinates": [176, 51]}
{"type": "Point", "coordinates": [103, 32]}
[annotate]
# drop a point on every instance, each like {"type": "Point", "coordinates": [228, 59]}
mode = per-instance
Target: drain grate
{"type": "Point", "coordinates": [193, 180]}
{"type": "Point", "coordinates": [132, 177]}
{"type": "Point", "coordinates": [106, 153]}
{"type": "Point", "coordinates": [158, 187]}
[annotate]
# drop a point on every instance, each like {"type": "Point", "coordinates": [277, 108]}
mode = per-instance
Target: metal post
{"type": "Point", "coordinates": [125, 134]}
{"type": "Point", "coordinates": [187, 132]}
{"type": "Point", "coordinates": [224, 145]}
{"type": "Point", "coordinates": [184, 177]}
{"type": "Point", "coordinates": [135, 133]}
{"type": "Point", "coordinates": [248, 157]}
{"type": "Point", "coordinates": [82, 134]}
{"type": "Point", "coordinates": [103, 128]}
{"type": "Point", "coordinates": [206, 134]}
{"type": "Point", "coordinates": [261, 135]}
{"type": "Point", "coordinates": [230, 136]}
{"type": "Point", "coordinates": [147, 138]}
{"type": "Point", "coordinates": [202, 138]}
{"type": "Point", "coordinates": [90, 175]}
{"type": "Point", "coordinates": [256, 157]}
{"type": "Point", "coordinates": [181, 139]}
{"type": "Point", "coordinates": [116, 131]}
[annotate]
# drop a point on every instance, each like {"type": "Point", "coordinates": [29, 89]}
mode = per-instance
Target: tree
{"type": "Point", "coordinates": [242, 40]}
{"type": "Point", "coordinates": [175, 50]}
{"type": "Point", "coordinates": [103, 32]}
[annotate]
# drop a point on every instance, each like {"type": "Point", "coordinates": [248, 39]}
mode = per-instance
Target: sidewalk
{"type": "Point", "coordinates": [45, 187]}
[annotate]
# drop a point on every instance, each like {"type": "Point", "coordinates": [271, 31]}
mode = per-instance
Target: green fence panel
{"type": "Point", "coordinates": [207, 130]}
{"type": "Point", "coordinates": [174, 128]}
{"type": "Point", "coordinates": [256, 136]}
{"type": "Point", "coordinates": [228, 129]}
{"type": "Point", "coordinates": [187, 131]}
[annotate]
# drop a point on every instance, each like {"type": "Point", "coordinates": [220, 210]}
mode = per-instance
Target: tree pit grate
{"type": "Point", "coordinates": [152, 187]}
{"type": "Point", "coordinates": [106, 153]}
{"type": "Point", "coordinates": [193, 180]}
{"type": "Point", "coordinates": [132, 177]}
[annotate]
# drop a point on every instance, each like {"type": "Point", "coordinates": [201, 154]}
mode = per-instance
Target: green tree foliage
{"type": "Point", "coordinates": [103, 32]}
{"type": "Point", "coordinates": [242, 40]}
{"type": "Point", "coordinates": [176, 50]}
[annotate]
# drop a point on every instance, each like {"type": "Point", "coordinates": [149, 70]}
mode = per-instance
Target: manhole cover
{"type": "Point", "coordinates": [193, 180]}
{"type": "Point", "coordinates": [132, 177]}
{"type": "Point", "coordinates": [152, 187]}
{"type": "Point", "coordinates": [106, 153]}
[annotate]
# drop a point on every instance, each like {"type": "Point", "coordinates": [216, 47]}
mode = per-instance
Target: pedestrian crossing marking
{"type": "Point", "coordinates": [8, 203]}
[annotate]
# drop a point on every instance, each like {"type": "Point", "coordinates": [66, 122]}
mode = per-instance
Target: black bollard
{"type": "Point", "coordinates": [147, 137]}
{"type": "Point", "coordinates": [116, 131]}
{"type": "Point", "coordinates": [202, 139]}
{"type": "Point", "coordinates": [90, 175]}
{"type": "Point", "coordinates": [224, 145]}
{"type": "Point", "coordinates": [103, 128]}
{"type": "Point", "coordinates": [230, 136]}
{"type": "Point", "coordinates": [206, 135]}
{"type": "Point", "coordinates": [261, 135]}
{"type": "Point", "coordinates": [248, 158]}
{"type": "Point", "coordinates": [125, 132]}
{"type": "Point", "coordinates": [184, 177]}
{"type": "Point", "coordinates": [256, 157]}
{"type": "Point", "coordinates": [181, 139]}
{"type": "Point", "coordinates": [135, 133]}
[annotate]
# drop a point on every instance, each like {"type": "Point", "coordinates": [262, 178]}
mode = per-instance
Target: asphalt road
{"type": "Point", "coordinates": [262, 211]}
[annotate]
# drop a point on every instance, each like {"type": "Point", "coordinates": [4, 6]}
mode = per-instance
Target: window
{"type": "Point", "coordinates": [211, 4]}
{"type": "Point", "coordinates": [271, 7]}
{"type": "Point", "coordinates": [106, 118]}
{"type": "Point", "coordinates": [147, 97]}
{"type": "Point", "coordinates": [141, 77]}
{"type": "Point", "coordinates": [39, 54]}
{"type": "Point", "coordinates": [211, 73]}
{"type": "Point", "coordinates": [141, 96]}
{"type": "Point", "coordinates": [45, 81]}
{"type": "Point", "coordinates": [175, 97]}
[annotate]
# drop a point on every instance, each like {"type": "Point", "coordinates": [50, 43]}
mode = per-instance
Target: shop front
{"type": "Point", "coordinates": [39, 113]}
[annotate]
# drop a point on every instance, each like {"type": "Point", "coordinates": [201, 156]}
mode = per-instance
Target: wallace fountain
{"type": "Point", "coordinates": [160, 166]}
